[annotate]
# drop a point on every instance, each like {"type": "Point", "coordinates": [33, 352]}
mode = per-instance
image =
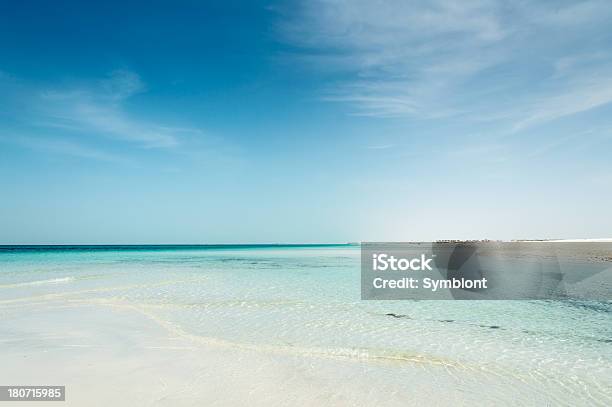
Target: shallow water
{"type": "Point", "coordinates": [306, 301]}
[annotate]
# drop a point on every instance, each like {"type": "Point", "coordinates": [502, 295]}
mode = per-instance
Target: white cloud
{"type": "Point", "coordinates": [575, 98]}
{"type": "Point", "coordinates": [88, 118]}
{"type": "Point", "coordinates": [431, 59]}
{"type": "Point", "coordinates": [98, 109]}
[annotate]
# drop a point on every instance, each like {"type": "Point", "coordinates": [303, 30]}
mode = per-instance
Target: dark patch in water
{"type": "Point", "coordinates": [391, 314]}
{"type": "Point", "coordinates": [447, 320]}
{"type": "Point", "coordinates": [596, 306]}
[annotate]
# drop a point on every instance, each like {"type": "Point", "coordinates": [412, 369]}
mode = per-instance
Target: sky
{"type": "Point", "coordinates": [304, 121]}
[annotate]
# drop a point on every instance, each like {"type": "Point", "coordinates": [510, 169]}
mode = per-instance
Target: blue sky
{"type": "Point", "coordinates": [306, 121]}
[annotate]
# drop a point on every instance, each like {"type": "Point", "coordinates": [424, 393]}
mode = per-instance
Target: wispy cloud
{"type": "Point", "coordinates": [380, 147]}
{"type": "Point", "coordinates": [432, 59]}
{"type": "Point", "coordinates": [579, 96]}
{"type": "Point", "coordinates": [75, 119]}
{"type": "Point", "coordinates": [63, 146]}
{"type": "Point", "coordinates": [97, 109]}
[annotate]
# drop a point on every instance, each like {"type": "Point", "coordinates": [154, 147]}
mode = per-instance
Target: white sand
{"type": "Point", "coordinates": [113, 355]}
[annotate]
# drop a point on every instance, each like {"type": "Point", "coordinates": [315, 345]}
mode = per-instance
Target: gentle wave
{"type": "Point", "coordinates": [39, 282]}
{"type": "Point", "coordinates": [358, 353]}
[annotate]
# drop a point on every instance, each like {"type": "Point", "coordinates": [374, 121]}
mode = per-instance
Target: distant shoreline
{"type": "Point", "coordinates": [568, 240]}
{"type": "Point", "coordinates": [190, 246]}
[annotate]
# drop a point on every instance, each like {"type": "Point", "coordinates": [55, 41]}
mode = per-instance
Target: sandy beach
{"type": "Point", "coordinates": [113, 354]}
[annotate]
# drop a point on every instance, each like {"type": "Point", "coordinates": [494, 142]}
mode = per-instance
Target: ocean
{"type": "Point", "coordinates": [303, 301]}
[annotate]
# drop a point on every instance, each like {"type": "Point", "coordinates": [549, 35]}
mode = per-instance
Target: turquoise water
{"type": "Point", "coordinates": [306, 300]}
